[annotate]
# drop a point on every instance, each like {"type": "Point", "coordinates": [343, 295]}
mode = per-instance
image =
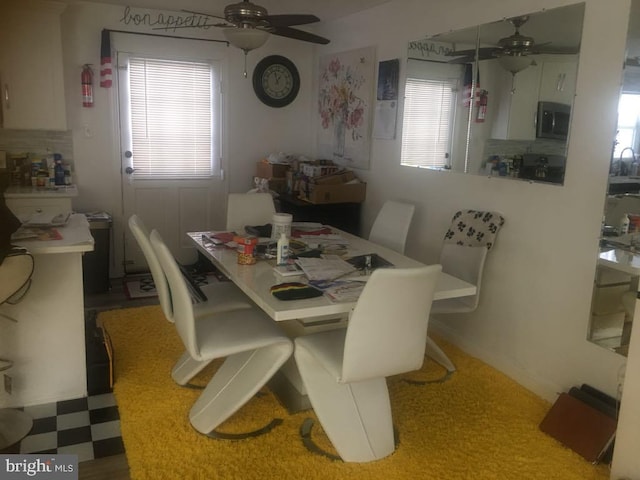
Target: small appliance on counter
{"type": "Point", "coordinates": [543, 167]}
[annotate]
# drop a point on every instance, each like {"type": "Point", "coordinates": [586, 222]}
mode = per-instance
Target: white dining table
{"type": "Point", "coordinates": [257, 279]}
{"type": "Point", "coordinates": [301, 317]}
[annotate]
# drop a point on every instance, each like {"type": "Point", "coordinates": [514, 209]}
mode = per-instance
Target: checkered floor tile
{"type": "Point", "coordinates": [88, 427]}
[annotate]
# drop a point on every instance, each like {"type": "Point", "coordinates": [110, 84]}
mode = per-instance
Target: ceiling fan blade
{"type": "Point", "coordinates": [539, 49]}
{"type": "Point", "coordinates": [289, 20]}
{"type": "Point", "coordinates": [461, 60]}
{"type": "Point", "coordinates": [484, 53]}
{"type": "Point", "coordinates": [297, 35]}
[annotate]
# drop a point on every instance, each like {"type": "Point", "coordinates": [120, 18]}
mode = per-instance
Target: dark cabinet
{"type": "Point", "coordinates": [345, 216]}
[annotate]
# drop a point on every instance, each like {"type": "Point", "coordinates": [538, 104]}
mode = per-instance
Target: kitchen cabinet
{"type": "Point", "coordinates": [31, 73]}
{"type": "Point", "coordinates": [516, 104]}
{"type": "Point", "coordinates": [25, 202]}
{"type": "Point", "coordinates": [558, 81]}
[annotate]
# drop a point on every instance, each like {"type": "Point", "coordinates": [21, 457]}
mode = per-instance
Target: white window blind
{"type": "Point", "coordinates": [174, 118]}
{"type": "Point", "coordinates": [427, 122]}
{"type": "Point", "coordinates": [628, 126]}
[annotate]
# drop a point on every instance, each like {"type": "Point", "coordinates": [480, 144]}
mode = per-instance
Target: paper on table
{"type": "Point", "coordinates": [329, 267]}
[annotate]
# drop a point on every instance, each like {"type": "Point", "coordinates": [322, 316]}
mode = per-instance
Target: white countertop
{"type": "Point", "coordinates": [63, 191]}
{"type": "Point", "coordinates": [76, 237]}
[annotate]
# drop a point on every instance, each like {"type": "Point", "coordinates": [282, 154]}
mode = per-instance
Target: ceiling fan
{"type": "Point", "coordinates": [515, 45]}
{"type": "Point", "coordinates": [247, 25]}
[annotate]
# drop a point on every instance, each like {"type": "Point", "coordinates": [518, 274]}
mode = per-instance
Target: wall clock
{"type": "Point", "coordinates": [276, 81]}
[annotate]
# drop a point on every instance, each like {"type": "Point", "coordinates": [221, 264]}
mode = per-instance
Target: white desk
{"type": "Point", "coordinates": [256, 280]}
{"type": "Point", "coordinates": [47, 344]}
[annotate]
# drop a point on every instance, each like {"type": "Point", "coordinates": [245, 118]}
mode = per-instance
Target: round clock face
{"type": "Point", "coordinates": [276, 81]}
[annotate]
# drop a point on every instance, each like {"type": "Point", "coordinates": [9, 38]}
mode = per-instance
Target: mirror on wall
{"type": "Point", "coordinates": [615, 286]}
{"type": "Point", "coordinates": [494, 99]}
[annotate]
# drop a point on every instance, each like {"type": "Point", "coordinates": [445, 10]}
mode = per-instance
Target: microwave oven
{"type": "Point", "coordinates": [553, 120]}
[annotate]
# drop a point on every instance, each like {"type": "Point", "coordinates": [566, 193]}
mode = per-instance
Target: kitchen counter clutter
{"type": "Point", "coordinates": [60, 191]}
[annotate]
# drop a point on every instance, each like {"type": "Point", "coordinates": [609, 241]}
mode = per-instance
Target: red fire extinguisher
{"type": "Point", "coordinates": [87, 85]}
{"type": "Point", "coordinates": [482, 106]}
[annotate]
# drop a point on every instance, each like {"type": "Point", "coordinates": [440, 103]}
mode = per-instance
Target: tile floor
{"type": "Point", "coordinates": [88, 427]}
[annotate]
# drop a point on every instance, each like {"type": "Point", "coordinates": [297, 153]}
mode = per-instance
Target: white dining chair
{"type": "Point", "coordinates": [253, 346]}
{"type": "Point", "coordinates": [344, 371]}
{"type": "Point", "coordinates": [466, 244]}
{"type": "Point", "coordinates": [391, 226]}
{"type": "Point", "coordinates": [249, 209]}
{"type": "Point", "coordinates": [211, 299]}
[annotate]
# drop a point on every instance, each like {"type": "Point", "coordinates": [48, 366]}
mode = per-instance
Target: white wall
{"type": "Point", "coordinates": [533, 316]}
{"type": "Point", "coordinates": [253, 130]}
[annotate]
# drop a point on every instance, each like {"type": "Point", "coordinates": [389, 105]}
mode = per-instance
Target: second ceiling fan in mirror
{"type": "Point", "coordinates": [515, 45]}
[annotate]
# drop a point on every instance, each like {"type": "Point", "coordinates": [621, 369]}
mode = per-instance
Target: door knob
{"type": "Point", "coordinates": [129, 170]}
{"type": "Point", "coordinates": [128, 154]}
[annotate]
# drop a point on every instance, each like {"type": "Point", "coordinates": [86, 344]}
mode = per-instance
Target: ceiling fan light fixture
{"type": "Point", "coordinates": [514, 63]}
{"type": "Point", "coordinates": [246, 38]}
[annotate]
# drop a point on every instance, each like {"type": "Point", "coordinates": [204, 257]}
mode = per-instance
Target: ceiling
{"type": "Point", "coordinates": [323, 9]}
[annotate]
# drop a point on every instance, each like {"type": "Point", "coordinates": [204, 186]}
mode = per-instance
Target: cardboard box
{"type": "Point", "coordinates": [265, 169]}
{"type": "Point", "coordinates": [343, 193]}
{"type": "Point", "coordinates": [278, 185]}
{"type": "Point", "coordinates": [335, 179]}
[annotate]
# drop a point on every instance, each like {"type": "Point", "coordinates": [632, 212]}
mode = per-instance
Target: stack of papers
{"type": "Point", "coordinates": [329, 267]}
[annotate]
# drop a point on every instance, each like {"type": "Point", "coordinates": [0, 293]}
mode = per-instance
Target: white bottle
{"type": "Point", "coordinates": [624, 225]}
{"type": "Point", "coordinates": [282, 254]}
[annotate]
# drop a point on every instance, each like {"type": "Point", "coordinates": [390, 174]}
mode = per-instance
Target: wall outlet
{"type": "Point", "coordinates": [8, 383]}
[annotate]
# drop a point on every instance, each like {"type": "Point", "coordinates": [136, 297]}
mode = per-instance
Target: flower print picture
{"type": "Point", "coordinates": [344, 106]}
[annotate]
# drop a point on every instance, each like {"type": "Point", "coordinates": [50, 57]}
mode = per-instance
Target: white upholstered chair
{"type": "Point", "coordinates": [467, 242]}
{"type": "Point", "coordinates": [253, 347]}
{"type": "Point", "coordinates": [344, 371]}
{"type": "Point", "coordinates": [214, 298]}
{"type": "Point", "coordinates": [391, 226]}
{"type": "Point", "coordinates": [249, 209]}
{"type": "Point", "coordinates": [16, 269]}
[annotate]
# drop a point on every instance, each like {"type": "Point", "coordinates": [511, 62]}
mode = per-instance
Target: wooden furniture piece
{"type": "Point", "coordinates": [345, 216]}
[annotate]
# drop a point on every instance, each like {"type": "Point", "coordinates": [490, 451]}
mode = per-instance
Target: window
{"type": "Point", "coordinates": [429, 110]}
{"type": "Point", "coordinates": [174, 109]}
{"type": "Point", "coordinates": [628, 126]}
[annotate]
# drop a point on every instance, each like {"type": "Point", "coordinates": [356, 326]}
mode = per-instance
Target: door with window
{"type": "Point", "coordinates": [170, 129]}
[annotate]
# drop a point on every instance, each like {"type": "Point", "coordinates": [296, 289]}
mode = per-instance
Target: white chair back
{"type": "Point", "coordinates": [249, 209]}
{"type": "Point", "coordinates": [466, 263]}
{"type": "Point", "coordinates": [391, 226]}
{"type": "Point", "coordinates": [387, 331]}
{"type": "Point", "coordinates": [181, 299]}
{"type": "Point", "coordinates": [141, 234]}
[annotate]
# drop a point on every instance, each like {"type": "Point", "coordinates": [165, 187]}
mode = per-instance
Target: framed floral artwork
{"type": "Point", "coordinates": [345, 100]}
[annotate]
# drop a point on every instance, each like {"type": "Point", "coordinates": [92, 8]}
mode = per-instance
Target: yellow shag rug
{"type": "Point", "coordinates": [477, 425]}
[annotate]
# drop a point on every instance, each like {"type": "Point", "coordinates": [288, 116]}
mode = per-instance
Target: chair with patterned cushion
{"type": "Point", "coordinates": [468, 240]}
{"type": "Point", "coordinates": [253, 346]}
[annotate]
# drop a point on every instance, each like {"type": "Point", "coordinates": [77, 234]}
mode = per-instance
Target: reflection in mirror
{"type": "Point", "coordinates": [618, 268]}
{"type": "Point", "coordinates": [520, 73]}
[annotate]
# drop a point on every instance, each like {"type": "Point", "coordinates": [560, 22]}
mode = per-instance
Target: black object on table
{"type": "Point", "coordinates": [345, 216]}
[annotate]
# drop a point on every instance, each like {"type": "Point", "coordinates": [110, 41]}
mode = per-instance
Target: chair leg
{"type": "Point", "coordinates": [435, 352]}
{"type": "Point", "coordinates": [186, 368]}
{"type": "Point", "coordinates": [355, 416]}
{"type": "Point", "coordinates": [238, 379]}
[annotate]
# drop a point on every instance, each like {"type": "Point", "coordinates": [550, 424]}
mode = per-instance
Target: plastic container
{"type": "Point", "coordinates": [282, 254]}
{"type": "Point", "coordinates": [281, 223]}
